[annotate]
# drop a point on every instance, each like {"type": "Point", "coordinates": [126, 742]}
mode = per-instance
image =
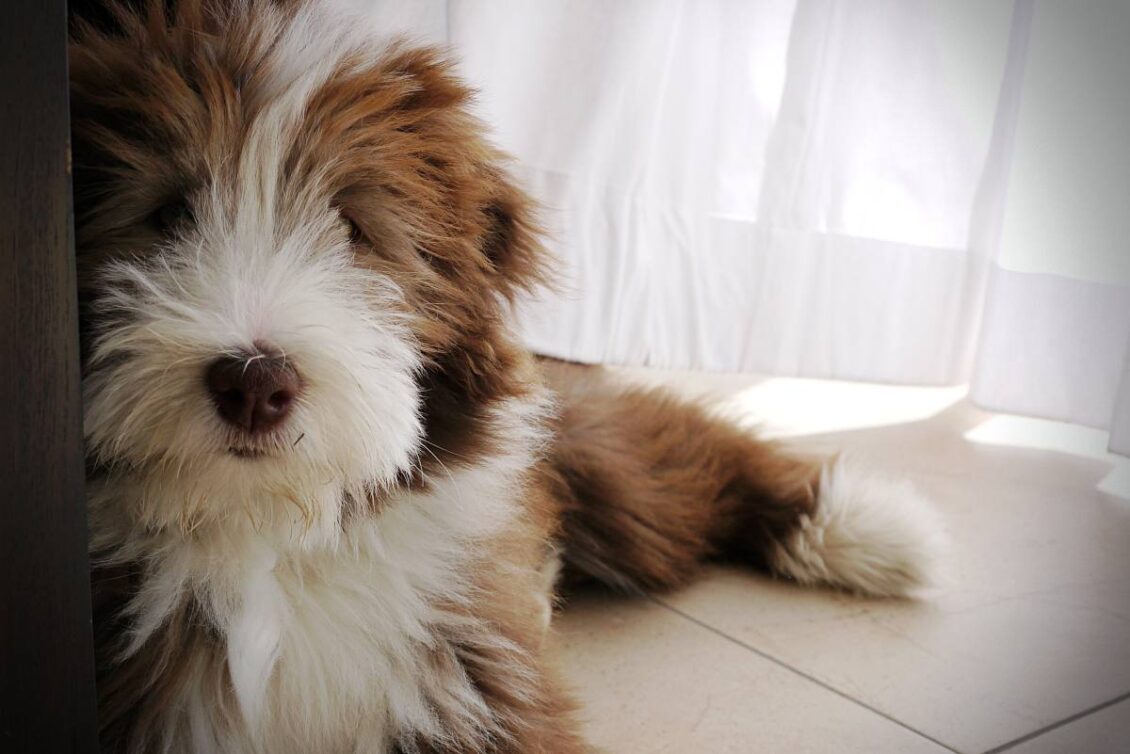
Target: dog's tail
{"type": "Point", "coordinates": [652, 486]}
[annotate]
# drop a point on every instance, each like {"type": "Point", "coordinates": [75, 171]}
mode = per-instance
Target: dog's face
{"type": "Point", "coordinates": [295, 250]}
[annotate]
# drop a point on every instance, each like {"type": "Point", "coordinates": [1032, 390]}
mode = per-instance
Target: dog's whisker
{"type": "Point", "coordinates": [250, 359]}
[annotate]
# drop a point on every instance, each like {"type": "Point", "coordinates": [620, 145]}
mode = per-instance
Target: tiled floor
{"type": "Point", "coordinates": [1027, 649]}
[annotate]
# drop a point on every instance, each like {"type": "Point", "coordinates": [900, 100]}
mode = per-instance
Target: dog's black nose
{"type": "Point", "coordinates": [254, 392]}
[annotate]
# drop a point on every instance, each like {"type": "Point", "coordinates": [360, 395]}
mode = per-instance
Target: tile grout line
{"type": "Point", "coordinates": [822, 684]}
{"type": "Point", "coordinates": [1059, 724]}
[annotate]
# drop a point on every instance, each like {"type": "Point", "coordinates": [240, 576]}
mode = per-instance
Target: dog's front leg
{"type": "Point", "coordinates": [529, 711]}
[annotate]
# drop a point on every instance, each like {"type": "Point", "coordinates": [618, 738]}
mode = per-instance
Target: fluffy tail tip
{"type": "Point", "coordinates": [868, 534]}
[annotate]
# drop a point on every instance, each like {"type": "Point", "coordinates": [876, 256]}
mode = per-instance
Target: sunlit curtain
{"type": "Point", "coordinates": [899, 191]}
{"type": "Point", "coordinates": [1055, 335]}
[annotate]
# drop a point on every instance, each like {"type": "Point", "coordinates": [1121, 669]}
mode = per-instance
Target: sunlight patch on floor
{"type": "Point", "coordinates": [788, 407]}
{"type": "Point", "coordinates": [1061, 437]}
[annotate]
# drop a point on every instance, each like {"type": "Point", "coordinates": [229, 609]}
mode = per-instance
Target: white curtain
{"type": "Point", "coordinates": [897, 191]}
{"type": "Point", "coordinates": [1055, 334]}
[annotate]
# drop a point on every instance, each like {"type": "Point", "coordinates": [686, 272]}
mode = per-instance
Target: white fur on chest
{"type": "Point", "coordinates": [333, 643]}
{"type": "Point", "coordinates": [333, 648]}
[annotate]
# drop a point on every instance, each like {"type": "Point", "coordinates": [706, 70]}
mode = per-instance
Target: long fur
{"type": "Point", "coordinates": [377, 573]}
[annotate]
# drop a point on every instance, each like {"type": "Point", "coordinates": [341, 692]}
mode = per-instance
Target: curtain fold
{"type": "Point", "coordinates": [1053, 339]}
{"type": "Point", "coordinates": [1120, 421]}
{"type": "Point", "coordinates": [1053, 347]}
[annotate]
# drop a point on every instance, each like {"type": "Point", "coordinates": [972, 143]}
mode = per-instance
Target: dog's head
{"type": "Point", "coordinates": [295, 253]}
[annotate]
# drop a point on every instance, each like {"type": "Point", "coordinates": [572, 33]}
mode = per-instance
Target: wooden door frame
{"type": "Point", "coordinates": [47, 694]}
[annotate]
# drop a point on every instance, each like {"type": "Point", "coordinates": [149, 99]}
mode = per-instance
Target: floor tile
{"type": "Point", "coordinates": [1106, 731]}
{"type": "Point", "coordinates": [652, 682]}
{"type": "Point", "coordinates": [1031, 630]}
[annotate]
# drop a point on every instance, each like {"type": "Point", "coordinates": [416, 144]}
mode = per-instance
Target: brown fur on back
{"type": "Point", "coordinates": [651, 486]}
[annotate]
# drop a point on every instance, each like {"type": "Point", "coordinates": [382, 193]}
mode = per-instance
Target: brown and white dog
{"type": "Point", "coordinates": [330, 493]}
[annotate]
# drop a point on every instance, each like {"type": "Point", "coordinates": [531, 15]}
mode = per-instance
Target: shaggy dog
{"type": "Point", "coordinates": [331, 496]}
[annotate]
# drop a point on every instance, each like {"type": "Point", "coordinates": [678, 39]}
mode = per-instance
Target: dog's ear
{"type": "Point", "coordinates": [437, 108]}
{"type": "Point", "coordinates": [512, 241]}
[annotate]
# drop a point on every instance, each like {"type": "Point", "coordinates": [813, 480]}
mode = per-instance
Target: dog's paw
{"type": "Point", "coordinates": [868, 534]}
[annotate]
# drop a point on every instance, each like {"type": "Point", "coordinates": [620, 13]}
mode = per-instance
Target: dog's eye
{"type": "Point", "coordinates": [172, 215]}
{"type": "Point", "coordinates": [357, 236]}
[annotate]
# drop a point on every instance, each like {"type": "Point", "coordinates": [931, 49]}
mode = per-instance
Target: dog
{"type": "Point", "coordinates": [332, 499]}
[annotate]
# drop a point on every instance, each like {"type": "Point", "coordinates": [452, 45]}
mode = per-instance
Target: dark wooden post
{"type": "Point", "coordinates": [47, 698]}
